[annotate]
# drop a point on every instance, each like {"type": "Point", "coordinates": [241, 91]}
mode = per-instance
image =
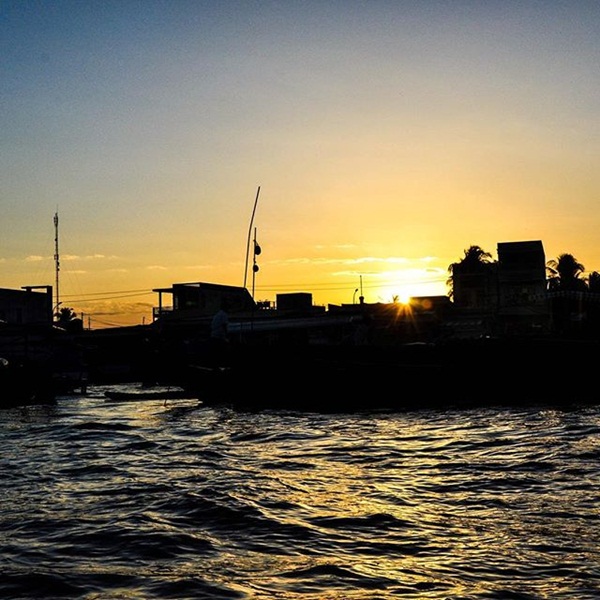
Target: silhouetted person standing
{"type": "Point", "coordinates": [219, 335]}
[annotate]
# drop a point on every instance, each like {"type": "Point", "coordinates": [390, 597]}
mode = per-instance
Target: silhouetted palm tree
{"type": "Point", "coordinates": [593, 309]}
{"type": "Point", "coordinates": [594, 282]}
{"type": "Point", "coordinates": [66, 314]}
{"type": "Point", "coordinates": [475, 260]}
{"type": "Point", "coordinates": [565, 274]}
{"type": "Point", "coordinates": [67, 319]}
{"type": "Point", "coordinates": [567, 309]}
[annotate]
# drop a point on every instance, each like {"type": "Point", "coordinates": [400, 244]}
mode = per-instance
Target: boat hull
{"type": "Point", "coordinates": [410, 376]}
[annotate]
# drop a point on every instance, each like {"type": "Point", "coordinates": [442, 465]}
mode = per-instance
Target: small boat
{"type": "Point", "coordinates": [149, 394]}
{"type": "Point", "coordinates": [25, 383]}
{"type": "Point", "coordinates": [319, 378]}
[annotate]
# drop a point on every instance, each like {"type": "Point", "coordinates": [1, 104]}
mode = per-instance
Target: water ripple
{"type": "Point", "coordinates": [163, 500]}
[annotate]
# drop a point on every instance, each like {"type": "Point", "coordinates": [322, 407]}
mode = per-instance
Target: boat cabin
{"type": "Point", "coordinates": [201, 299]}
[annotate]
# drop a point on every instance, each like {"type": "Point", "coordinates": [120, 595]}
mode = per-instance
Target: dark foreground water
{"type": "Point", "coordinates": [106, 500]}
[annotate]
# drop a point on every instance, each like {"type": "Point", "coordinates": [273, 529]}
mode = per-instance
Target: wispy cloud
{"type": "Point", "coordinates": [202, 267]}
{"type": "Point", "coordinates": [363, 260]}
{"type": "Point", "coordinates": [69, 257]}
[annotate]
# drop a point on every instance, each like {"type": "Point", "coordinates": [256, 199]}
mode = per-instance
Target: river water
{"type": "Point", "coordinates": [138, 500]}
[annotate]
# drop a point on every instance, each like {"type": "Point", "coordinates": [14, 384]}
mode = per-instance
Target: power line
{"type": "Point", "coordinates": [97, 321]}
{"type": "Point", "coordinates": [118, 292]}
{"type": "Point", "coordinates": [104, 297]}
{"type": "Point", "coordinates": [322, 287]}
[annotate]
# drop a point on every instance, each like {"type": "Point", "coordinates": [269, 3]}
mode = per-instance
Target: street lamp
{"type": "Point", "coordinates": [354, 296]}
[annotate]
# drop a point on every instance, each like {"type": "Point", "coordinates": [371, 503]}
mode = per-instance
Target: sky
{"type": "Point", "coordinates": [365, 145]}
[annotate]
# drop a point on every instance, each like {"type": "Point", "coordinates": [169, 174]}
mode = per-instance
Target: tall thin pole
{"type": "Point", "coordinates": [56, 262]}
{"type": "Point", "coordinates": [249, 236]}
{"type": "Point", "coordinates": [254, 265]}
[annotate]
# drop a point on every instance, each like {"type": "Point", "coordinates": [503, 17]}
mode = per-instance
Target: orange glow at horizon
{"type": "Point", "coordinates": [468, 127]}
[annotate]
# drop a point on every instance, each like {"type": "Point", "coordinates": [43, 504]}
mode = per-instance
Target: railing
{"type": "Point", "coordinates": [158, 312]}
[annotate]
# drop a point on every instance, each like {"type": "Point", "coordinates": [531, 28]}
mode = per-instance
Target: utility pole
{"type": "Point", "coordinates": [249, 236]}
{"type": "Point", "coordinates": [255, 268]}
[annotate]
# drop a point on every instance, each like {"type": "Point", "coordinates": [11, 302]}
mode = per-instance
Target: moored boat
{"type": "Point", "coordinates": [458, 373]}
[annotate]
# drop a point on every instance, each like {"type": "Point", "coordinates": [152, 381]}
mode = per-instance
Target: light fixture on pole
{"type": "Point", "coordinates": [255, 267]}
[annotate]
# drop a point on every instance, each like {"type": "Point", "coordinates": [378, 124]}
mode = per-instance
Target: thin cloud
{"type": "Point", "coordinates": [402, 260]}
{"type": "Point", "coordinates": [69, 257]}
{"type": "Point", "coordinates": [203, 267]}
{"type": "Point", "coordinates": [88, 257]}
{"type": "Point", "coordinates": [411, 275]}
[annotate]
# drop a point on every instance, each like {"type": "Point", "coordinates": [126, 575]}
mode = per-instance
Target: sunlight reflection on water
{"type": "Point", "coordinates": [155, 500]}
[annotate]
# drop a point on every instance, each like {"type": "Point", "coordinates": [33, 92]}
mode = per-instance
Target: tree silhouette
{"type": "Point", "coordinates": [565, 279]}
{"type": "Point", "coordinates": [594, 282]}
{"type": "Point", "coordinates": [564, 274]}
{"type": "Point", "coordinates": [67, 319]}
{"type": "Point", "coordinates": [593, 309]}
{"type": "Point", "coordinates": [66, 314]}
{"type": "Point", "coordinates": [475, 260]}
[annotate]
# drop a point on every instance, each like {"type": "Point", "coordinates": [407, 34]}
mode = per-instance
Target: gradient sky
{"type": "Point", "coordinates": [386, 137]}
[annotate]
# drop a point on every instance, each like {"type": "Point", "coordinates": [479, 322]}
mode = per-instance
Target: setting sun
{"type": "Point", "coordinates": [404, 297]}
{"type": "Point", "coordinates": [403, 284]}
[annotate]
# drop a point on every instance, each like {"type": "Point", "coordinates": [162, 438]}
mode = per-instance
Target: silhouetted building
{"type": "Point", "coordinates": [475, 287]}
{"type": "Point", "coordinates": [202, 299]}
{"type": "Point", "coordinates": [523, 306]}
{"type": "Point", "coordinates": [504, 297]}
{"type": "Point", "coordinates": [26, 306]}
{"type": "Point", "coordinates": [294, 302]}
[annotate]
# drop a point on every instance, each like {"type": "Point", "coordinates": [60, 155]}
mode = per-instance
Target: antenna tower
{"type": "Point", "coordinates": [56, 263]}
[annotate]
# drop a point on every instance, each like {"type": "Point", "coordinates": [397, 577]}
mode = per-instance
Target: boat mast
{"type": "Point", "coordinates": [56, 263]}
